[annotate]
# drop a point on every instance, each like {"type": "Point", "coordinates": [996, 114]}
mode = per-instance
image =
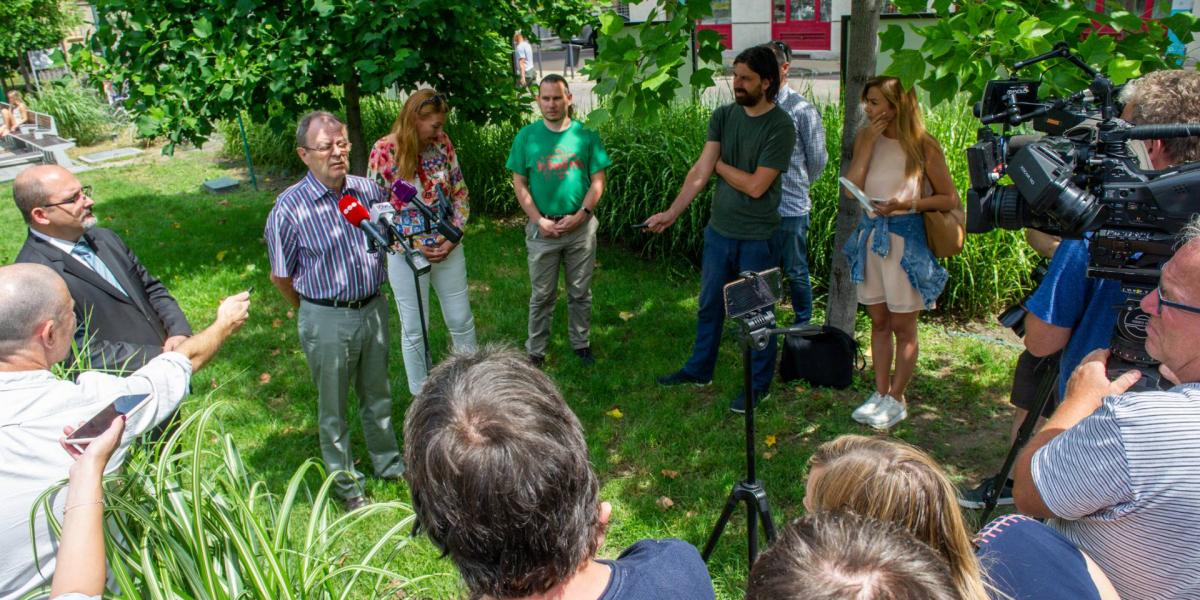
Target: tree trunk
{"type": "Point", "coordinates": [860, 66]}
{"type": "Point", "coordinates": [354, 127]}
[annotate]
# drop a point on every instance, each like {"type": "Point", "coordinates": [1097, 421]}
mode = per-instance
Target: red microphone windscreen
{"type": "Point", "coordinates": [353, 210]}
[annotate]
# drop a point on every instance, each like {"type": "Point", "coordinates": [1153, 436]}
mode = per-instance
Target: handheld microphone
{"type": "Point", "coordinates": [407, 193]}
{"type": "Point", "coordinates": [358, 216]}
{"type": "Point", "coordinates": [384, 214]}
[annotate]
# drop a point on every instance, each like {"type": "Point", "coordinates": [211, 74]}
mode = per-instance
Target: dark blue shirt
{"type": "Point", "coordinates": [1026, 560]}
{"type": "Point", "coordinates": [656, 569]}
{"type": "Point", "coordinates": [1067, 297]}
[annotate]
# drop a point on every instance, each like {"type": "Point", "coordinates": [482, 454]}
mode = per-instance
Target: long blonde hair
{"type": "Point", "coordinates": [894, 482]}
{"type": "Point", "coordinates": [910, 127]}
{"type": "Point", "coordinates": [421, 104]}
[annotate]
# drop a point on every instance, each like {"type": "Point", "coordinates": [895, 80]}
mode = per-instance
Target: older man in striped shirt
{"type": "Point", "coordinates": [322, 266]}
{"type": "Point", "coordinates": [1119, 473]}
{"type": "Point", "coordinates": [808, 160]}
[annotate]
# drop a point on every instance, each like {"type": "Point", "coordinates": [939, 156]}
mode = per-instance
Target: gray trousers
{"type": "Point", "coordinates": [347, 346]}
{"type": "Point", "coordinates": [576, 252]}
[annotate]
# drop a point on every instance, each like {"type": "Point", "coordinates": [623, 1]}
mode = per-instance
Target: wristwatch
{"type": "Point", "coordinates": [587, 210]}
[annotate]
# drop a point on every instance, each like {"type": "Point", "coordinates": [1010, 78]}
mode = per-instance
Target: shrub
{"type": "Point", "coordinates": [650, 161]}
{"type": "Point", "coordinates": [188, 521]}
{"type": "Point", "coordinates": [79, 112]}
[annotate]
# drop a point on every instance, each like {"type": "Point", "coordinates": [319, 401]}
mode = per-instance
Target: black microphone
{"type": "Point", "coordinates": [406, 193]}
{"type": "Point", "coordinates": [384, 214]}
{"type": "Point", "coordinates": [358, 216]}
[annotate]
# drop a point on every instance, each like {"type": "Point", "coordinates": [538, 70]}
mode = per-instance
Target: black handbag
{"type": "Point", "coordinates": [825, 359]}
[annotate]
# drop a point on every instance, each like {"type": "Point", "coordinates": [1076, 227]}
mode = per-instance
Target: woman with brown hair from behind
{"type": "Point", "coordinates": [891, 481]}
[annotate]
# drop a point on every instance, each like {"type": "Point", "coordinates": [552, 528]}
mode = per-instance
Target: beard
{"type": "Point", "coordinates": [745, 98]}
{"type": "Point", "coordinates": [88, 222]}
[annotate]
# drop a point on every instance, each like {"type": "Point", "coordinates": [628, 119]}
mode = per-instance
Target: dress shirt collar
{"type": "Point", "coordinates": [61, 244]}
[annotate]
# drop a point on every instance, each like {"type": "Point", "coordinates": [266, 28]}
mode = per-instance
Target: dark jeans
{"type": "Point", "coordinates": [792, 242]}
{"type": "Point", "coordinates": [723, 259]}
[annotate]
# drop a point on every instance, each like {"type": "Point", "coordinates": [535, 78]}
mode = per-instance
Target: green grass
{"type": "Point", "coordinates": [205, 247]}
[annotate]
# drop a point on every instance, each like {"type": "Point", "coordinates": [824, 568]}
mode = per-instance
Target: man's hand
{"type": "Point", "coordinates": [1089, 384]}
{"type": "Point", "coordinates": [173, 342]}
{"type": "Point", "coordinates": [659, 222]}
{"type": "Point", "coordinates": [571, 222]}
{"type": "Point", "coordinates": [547, 228]}
{"type": "Point", "coordinates": [233, 311]}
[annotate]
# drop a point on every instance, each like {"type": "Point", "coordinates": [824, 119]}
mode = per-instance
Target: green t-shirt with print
{"type": "Point", "coordinates": [558, 164]}
{"type": "Point", "coordinates": [748, 143]}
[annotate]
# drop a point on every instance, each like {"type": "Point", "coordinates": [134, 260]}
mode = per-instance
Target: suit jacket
{"type": "Point", "coordinates": [125, 331]}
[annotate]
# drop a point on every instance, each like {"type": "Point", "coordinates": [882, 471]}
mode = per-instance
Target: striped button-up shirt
{"type": "Point", "coordinates": [808, 157]}
{"type": "Point", "coordinates": [1125, 485]}
{"type": "Point", "coordinates": [310, 241]}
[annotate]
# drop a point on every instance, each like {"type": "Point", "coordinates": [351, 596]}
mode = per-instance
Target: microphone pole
{"type": "Point", "coordinates": [384, 213]}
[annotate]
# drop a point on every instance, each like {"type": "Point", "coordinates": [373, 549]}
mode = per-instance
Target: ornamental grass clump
{"type": "Point", "coordinates": [187, 519]}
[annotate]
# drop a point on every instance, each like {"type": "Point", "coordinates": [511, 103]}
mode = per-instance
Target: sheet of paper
{"type": "Point", "coordinates": [858, 194]}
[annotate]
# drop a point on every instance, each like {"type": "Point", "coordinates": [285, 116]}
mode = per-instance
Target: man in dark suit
{"type": "Point", "coordinates": [126, 316]}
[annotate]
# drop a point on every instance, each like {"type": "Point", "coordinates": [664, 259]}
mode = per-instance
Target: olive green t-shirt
{"type": "Point", "coordinates": [558, 164]}
{"type": "Point", "coordinates": [748, 143]}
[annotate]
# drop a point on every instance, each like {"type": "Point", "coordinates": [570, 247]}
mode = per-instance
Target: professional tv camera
{"type": "Point", "coordinates": [1081, 179]}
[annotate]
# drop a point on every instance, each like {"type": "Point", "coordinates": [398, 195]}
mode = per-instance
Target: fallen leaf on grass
{"type": "Point", "coordinates": [769, 454]}
{"type": "Point", "coordinates": [770, 441]}
{"type": "Point", "coordinates": [669, 474]}
{"type": "Point", "coordinates": [615, 413]}
{"type": "Point", "coordinates": [213, 383]}
{"type": "Point", "coordinates": [625, 315]}
{"type": "Point", "coordinates": [264, 379]}
{"type": "Point", "coordinates": [291, 313]}
{"type": "Point", "coordinates": [221, 255]}
{"type": "Point", "coordinates": [223, 203]}
{"type": "Point", "coordinates": [689, 514]}
{"type": "Point", "coordinates": [275, 352]}
{"type": "Point", "coordinates": [176, 225]}
{"type": "Point", "coordinates": [665, 503]}
{"type": "Point", "coordinates": [276, 323]}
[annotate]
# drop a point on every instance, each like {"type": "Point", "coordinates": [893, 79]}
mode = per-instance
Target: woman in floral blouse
{"type": "Point", "coordinates": [418, 151]}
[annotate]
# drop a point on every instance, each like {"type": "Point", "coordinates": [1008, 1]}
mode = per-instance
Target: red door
{"type": "Point", "coordinates": [802, 24]}
{"type": "Point", "coordinates": [721, 21]}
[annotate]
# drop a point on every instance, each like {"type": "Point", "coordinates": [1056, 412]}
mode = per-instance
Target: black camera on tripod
{"type": "Point", "coordinates": [1082, 180]}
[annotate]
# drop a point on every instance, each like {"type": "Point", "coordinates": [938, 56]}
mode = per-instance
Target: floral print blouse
{"type": "Point", "coordinates": [437, 170]}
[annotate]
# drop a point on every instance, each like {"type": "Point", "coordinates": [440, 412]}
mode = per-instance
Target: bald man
{"type": "Point", "coordinates": [37, 325]}
{"type": "Point", "coordinates": [131, 316]}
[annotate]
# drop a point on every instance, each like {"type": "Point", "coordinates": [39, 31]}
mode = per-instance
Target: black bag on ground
{"type": "Point", "coordinates": [825, 359]}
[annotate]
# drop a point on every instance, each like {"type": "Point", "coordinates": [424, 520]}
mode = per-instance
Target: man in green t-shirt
{"type": "Point", "coordinates": [749, 145]}
{"type": "Point", "coordinates": [558, 175]}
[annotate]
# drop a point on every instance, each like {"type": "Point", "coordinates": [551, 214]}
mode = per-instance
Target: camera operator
{"type": "Point", "coordinates": [1119, 473]}
{"type": "Point", "coordinates": [1075, 314]}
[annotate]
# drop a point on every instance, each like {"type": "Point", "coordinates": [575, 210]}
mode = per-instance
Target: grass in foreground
{"type": "Point", "coordinates": [648, 443]}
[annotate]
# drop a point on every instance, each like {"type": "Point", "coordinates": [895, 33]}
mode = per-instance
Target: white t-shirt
{"type": "Point", "coordinates": [1125, 484]}
{"type": "Point", "coordinates": [524, 50]}
{"type": "Point", "coordinates": [34, 407]}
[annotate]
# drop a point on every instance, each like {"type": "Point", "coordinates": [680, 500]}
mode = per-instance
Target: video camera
{"type": "Point", "coordinates": [1082, 180]}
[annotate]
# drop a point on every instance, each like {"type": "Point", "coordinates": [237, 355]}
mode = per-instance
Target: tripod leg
{"type": "Point", "coordinates": [751, 531]}
{"type": "Point", "coordinates": [1045, 391]}
{"type": "Point", "coordinates": [764, 511]}
{"type": "Point", "coordinates": [719, 528]}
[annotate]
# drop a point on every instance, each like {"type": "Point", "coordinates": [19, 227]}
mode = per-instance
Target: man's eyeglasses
{"type": "Point", "coordinates": [1159, 303]}
{"type": "Point", "coordinates": [83, 191]}
{"type": "Point", "coordinates": [325, 149]}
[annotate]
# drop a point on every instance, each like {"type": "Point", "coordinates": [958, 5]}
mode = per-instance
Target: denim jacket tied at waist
{"type": "Point", "coordinates": [918, 262]}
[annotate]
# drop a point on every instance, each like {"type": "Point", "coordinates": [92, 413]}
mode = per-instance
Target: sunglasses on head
{"type": "Point", "coordinates": [436, 101]}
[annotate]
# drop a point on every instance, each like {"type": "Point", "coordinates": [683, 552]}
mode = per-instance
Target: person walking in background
{"type": "Point", "coordinates": [808, 160]}
{"type": "Point", "coordinates": [523, 60]}
{"type": "Point", "coordinates": [418, 151]}
{"type": "Point", "coordinates": [558, 175]}
{"type": "Point", "coordinates": [902, 168]}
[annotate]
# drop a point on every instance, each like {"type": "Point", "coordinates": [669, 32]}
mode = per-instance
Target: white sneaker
{"type": "Point", "coordinates": [890, 412]}
{"type": "Point", "coordinates": [867, 408]}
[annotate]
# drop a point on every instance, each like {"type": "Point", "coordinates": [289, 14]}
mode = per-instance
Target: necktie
{"type": "Point", "coordinates": [83, 251]}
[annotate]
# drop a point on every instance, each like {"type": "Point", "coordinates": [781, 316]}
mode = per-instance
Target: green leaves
{"type": "Point", "coordinates": [982, 40]}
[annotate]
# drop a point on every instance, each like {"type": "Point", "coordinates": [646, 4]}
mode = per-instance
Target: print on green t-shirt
{"type": "Point", "coordinates": [558, 164]}
{"type": "Point", "coordinates": [748, 143]}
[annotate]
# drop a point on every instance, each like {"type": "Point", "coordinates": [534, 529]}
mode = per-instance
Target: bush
{"type": "Point", "coordinates": [79, 112]}
{"type": "Point", "coordinates": [187, 520]}
{"type": "Point", "coordinates": [650, 161]}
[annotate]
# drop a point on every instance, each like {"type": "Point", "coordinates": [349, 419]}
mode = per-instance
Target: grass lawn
{"type": "Point", "coordinates": [648, 443]}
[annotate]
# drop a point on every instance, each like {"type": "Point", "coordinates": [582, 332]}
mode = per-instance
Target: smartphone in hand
{"type": "Point", "coordinates": [125, 405]}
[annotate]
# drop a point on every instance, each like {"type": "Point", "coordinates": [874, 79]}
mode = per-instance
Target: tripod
{"type": "Point", "coordinates": [1048, 368]}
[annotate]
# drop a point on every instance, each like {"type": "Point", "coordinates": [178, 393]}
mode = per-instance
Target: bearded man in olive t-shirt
{"type": "Point", "coordinates": [749, 145]}
{"type": "Point", "coordinates": [558, 175]}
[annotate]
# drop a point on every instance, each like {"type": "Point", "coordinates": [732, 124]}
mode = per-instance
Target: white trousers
{"type": "Point", "coordinates": [449, 279]}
